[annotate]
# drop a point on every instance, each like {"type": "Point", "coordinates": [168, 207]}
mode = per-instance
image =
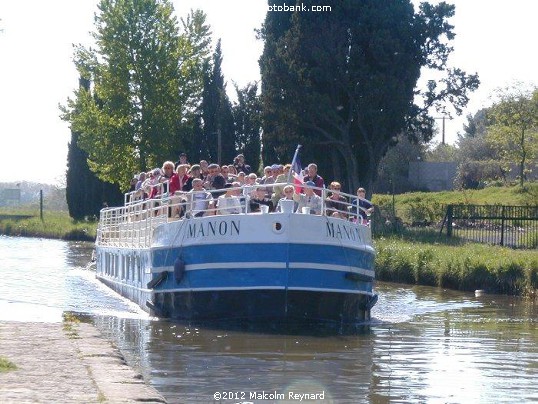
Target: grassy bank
{"type": "Point", "coordinates": [465, 267]}
{"type": "Point", "coordinates": [430, 206]}
{"type": "Point", "coordinates": [55, 224]}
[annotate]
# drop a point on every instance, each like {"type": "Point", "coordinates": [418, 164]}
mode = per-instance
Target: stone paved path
{"type": "Point", "coordinates": [57, 365]}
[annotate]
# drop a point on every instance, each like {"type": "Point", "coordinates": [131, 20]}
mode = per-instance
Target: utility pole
{"type": "Point", "coordinates": [444, 117]}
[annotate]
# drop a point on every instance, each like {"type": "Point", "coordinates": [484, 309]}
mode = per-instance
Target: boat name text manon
{"type": "Point", "coordinates": [342, 231]}
{"type": "Point", "coordinates": [213, 228]}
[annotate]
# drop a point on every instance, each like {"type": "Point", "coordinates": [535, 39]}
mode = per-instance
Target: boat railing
{"type": "Point", "coordinates": [132, 225]}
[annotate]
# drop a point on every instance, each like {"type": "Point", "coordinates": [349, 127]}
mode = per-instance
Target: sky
{"type": "Point", "coordinates": [494, 38]}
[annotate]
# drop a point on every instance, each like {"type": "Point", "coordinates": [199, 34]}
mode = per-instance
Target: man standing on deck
{"type": "Point", "coordinates": [315, 178]}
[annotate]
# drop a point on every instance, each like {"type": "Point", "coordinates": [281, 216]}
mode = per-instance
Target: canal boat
{"type": "Point", "coordinates": [284, 266]}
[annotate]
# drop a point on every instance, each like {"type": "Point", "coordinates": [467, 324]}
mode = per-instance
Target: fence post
{"type": "Point", "coordinates": [449, 215]}
{"type": "Point", "coordinates": [502, 225]}
{"type": "Point", "coordinates": [41, 204]}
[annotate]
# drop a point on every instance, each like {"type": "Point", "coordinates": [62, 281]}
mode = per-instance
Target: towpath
{"type": "Point", "coordinates": [66, 363]}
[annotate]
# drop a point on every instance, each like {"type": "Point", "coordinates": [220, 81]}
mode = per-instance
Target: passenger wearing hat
{"type": "Point", "coordinates": [280, 179]}
{"type": "Point", "coordinates": [309, 199]}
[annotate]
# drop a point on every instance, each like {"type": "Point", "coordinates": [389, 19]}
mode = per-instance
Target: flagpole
{"type": "Point", "coordinates": [293, 162]}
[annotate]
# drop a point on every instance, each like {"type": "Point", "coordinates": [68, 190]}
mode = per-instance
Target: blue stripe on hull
{"type": "Point", "coordinates": [264, 252]}
{"type": "Point", "coordinates": [264, 277]}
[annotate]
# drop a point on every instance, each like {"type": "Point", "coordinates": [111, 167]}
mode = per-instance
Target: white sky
{"type": "Point", "coordinates": [494, 38]}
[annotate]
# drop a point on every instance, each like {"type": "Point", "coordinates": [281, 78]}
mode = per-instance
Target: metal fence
{"type": "Point", "coordinates": [511, 226]}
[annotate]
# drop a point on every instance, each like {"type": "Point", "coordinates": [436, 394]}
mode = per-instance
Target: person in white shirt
{"type": "Point", "coordinates": [229, 203]}
{"type": "Point", "coordinates": [200, 200]}
{"type": "Point", "coordinates": [289, 192]}
{"type": "Point", "coordinates": [308, 199]}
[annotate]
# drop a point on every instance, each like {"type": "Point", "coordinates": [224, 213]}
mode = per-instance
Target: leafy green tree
{"type": "Point", "coordinates": [478, 161]}
{"type": "Point", "coordinates": [472, 144]}
{"type": "Point", "coordinates": [195, 57]}
{"type": "Point", "coordinates": [513, 131]}
{"type": "Point", "coordinates": [346, 94]}
{"type": "Point", "coordinates": [248, 128]}
{"type": "Point", "coordinates": [195, 54]}
{"type": "Point", "coordinates": [142, 83]}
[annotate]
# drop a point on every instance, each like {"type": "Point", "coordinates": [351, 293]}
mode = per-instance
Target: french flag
{"type": "Point", "coordinates": [297, 171]}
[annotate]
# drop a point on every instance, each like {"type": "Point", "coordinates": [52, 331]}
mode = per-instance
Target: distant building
{"type": "Point", "coordinates": [10, 196]}
{"type": "Point", "coordinates": [432, 176]}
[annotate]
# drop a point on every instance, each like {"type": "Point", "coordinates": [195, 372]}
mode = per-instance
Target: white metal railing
{"type": "Point", "coordinates": [132, 225]}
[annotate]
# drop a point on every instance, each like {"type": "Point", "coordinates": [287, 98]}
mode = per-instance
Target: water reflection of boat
{"type": "Point", "coordinates": [280, 266]}
{"type": "Point", "coordinates": [188, 364]}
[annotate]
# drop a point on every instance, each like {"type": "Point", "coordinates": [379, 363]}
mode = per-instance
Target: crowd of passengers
{"type": "Point", "coordinates": [212, 189]}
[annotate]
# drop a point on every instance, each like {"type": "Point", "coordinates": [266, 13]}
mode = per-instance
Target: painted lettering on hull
{"type": "Point", "coordinates": [343, 231]}
{"type": "Point", "coordinates": [213, 228]}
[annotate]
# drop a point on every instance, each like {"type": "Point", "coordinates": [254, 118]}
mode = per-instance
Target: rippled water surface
{"type": "Point", "coordinates": [423, 345]}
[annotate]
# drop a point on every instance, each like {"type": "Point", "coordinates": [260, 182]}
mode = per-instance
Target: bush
{"type": "Point", "coordinates": [476, 174]}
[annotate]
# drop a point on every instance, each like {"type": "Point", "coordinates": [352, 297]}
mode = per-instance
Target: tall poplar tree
{"type": "Point", "coordinates": [217, 114]}
{"type": "Point", "coordinates": [344, 82]}
{"type": "Point", "coordinates": [248, 128]}
{"type": "Point", "coordinates": [85, 193]}
{"type": "Point", "coordinates": [195, 60]}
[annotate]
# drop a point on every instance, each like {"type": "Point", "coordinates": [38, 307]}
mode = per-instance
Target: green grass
{"type": "Point", "coordinates": [55, 224]}
{"type": "Point", "coordinates": [430, 206]}
{"type": "Point", "coordinates": [6, 366]}
{"type": "Point", "coordinates": [461, 267]}
{"type": "Point", "coordinates": [70, 323]}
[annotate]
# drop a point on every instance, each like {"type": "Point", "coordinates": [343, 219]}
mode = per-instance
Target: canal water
{"type": "Point", "coordinates": [424, 345]}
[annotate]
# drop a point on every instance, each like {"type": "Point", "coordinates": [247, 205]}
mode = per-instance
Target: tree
{"type": "Point", "coordinates": [248, 128]}
{"type": "Point", "coordinates": [217, 114]}
{"type": "Point", "coordinates": [472, 144]}
{"type": "Point", "coordinates": [85, 193]}
{"type": "Point", "coordinates": [513, 131]}
{"type": "Point", "coordinates": [142, 84]}
{"type": "Point", "coordinates": [476, 125]}
{"type": "Point", "coordinates": [441, 153]}
{"type": "Point", "coordinates": [393, 171]}
{"type": "Point", "coordinates": [347, 94]}
{"type": "Point", "coordinates": [195, 53]}
{"type": "Point", "coordinates": [195, 57]}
